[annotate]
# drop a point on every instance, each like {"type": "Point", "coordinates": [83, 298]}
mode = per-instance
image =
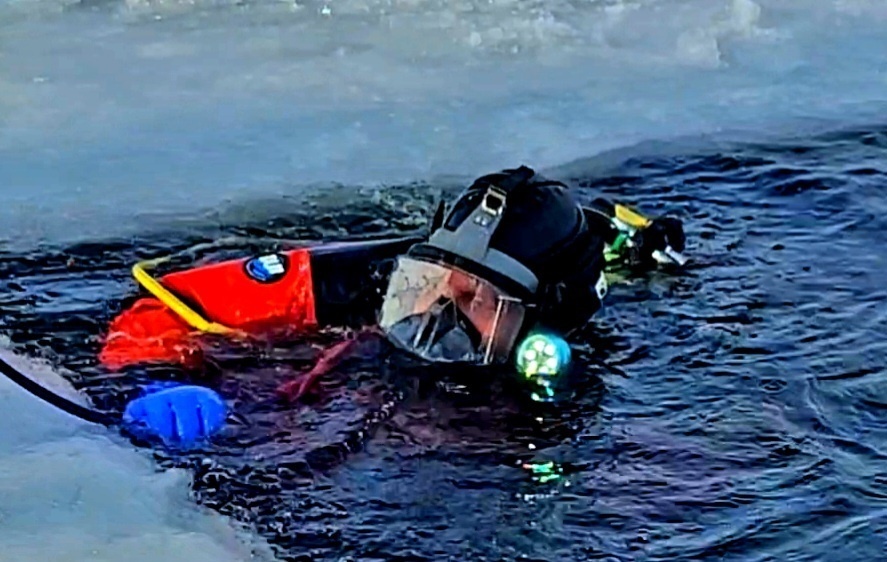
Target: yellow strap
{"type": "Point", "coordinates": [631, 218]}
{"type": "Point", "coordinates": [189, 315]}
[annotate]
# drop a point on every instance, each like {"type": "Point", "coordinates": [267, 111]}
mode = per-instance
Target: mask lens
{"type": "Point", "coordinates": [442, 313]}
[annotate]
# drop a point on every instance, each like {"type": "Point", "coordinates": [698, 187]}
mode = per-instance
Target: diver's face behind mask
{"type": "Point", "coordinates": [443, 314]}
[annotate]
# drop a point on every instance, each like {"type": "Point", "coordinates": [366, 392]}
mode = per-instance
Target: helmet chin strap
{"type": "Point", "coordinates": [474, 234]}
{"type": "Point", "coordinates": [471, 239]}
{"type": "Point", "coordinates": [437, 220]}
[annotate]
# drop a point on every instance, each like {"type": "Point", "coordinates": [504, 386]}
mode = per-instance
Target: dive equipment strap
{"type": "Point", "coordinates": [164, 295]}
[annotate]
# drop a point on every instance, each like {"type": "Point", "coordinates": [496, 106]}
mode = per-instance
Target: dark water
{"type": "Point", "coordinates": [737, 411]}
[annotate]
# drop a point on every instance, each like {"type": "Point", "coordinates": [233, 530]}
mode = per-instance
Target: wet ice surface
{"type": "Point", "coordinates": [73, 492]}
{"type": "Point", "coordinates": [116, 116]}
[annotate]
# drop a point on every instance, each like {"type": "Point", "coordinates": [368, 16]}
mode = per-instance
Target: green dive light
{"type": "Point", "coordinates": [542, 357]}
{"type": "Point", "coordinates": [542, 354]}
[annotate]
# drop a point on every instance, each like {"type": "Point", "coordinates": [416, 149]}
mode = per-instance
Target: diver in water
{"type": "Point", "coordinates": [515, 256]}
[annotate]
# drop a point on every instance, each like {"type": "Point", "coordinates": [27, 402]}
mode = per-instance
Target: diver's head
{"type": "Point", "coordinates": [511, 250]}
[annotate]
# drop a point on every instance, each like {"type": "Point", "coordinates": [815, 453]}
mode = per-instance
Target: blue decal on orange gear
{"type": "Point", "coordinates": [267, 269]}
{"type": "Point", "coordinates": [226, 294]}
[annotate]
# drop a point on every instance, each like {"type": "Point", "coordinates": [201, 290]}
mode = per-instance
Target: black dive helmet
{"type": "Point", "coordinates": [525, 240]}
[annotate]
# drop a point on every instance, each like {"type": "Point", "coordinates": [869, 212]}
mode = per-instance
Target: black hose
{"type": "Point", "coordinates": [322, 458]}
{"type": "Point", "coordinates": [60, 402]}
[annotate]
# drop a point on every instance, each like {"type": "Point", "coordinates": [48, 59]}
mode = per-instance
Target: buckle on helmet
{"type": "Point", "coordinates": [494, 201]}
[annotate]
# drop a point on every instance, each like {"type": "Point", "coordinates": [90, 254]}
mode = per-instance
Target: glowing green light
{"type": "Point", "coordinates": [544, 354]}
{"type": "Point", "coordinates": [544, 472]}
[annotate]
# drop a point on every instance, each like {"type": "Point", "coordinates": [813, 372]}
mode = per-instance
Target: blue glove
{"type": "Point", "coordinates": [180, 415]}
